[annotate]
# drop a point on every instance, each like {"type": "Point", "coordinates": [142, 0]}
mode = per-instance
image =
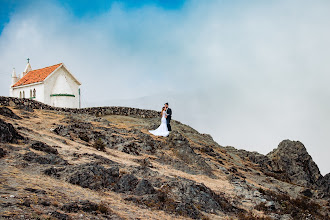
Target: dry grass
{"type": "Point", "coordinates": [59, 192]}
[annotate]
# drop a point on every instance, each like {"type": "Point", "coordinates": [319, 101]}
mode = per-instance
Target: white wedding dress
{"type": "Point", "coordinates": [162, 129]}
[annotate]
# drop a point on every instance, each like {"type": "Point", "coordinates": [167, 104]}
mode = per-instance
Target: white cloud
{"type": "Point", "coordinates": [250, 74]}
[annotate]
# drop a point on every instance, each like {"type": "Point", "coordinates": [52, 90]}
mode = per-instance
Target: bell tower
{"type": "Point", "coordinates": [14, 78]}
{"type": "Point", "coordinates": [27, 68]}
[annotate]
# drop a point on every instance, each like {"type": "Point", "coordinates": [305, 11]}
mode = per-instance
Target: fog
{"type": "Point", "coordinates": [251, 74]}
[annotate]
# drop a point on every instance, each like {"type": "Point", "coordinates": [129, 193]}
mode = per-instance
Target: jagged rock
{"type": "Point", "coordinates": [8, 133]}
{"type": "Point", "coordinates": [190, 192]}
{"type": "Point", "coordinates": [209, 151]}
{"type": "Point", "coordinates": [144, 162]}
{"type": "Point", "coordinates": [126, 183]}
{"type": "Point", "coordinates": [144, 187]}
{"type": "Point", "coordinates": [84, 136]}
{"type": "Point", "coordinates": [146, 143]}
{"type": "Point", "coordinates": [324, 184]}
{"type": "Point", "coordinates": [55, 172]}
{"type": "Point", "coordinates": [88, 206]}
{"type": "Point", "coordinates": [59, 216]}
{"type": "Point", "coordinates": [85, 132]}
{"type": "Point", "coordinates": [46, 159]}
{"type": "Point", "coordinates": [26, 203]}
{"type": "Point", "coordinates": [99, 159]}
{"type": "Point", "coordinates": [291, 157]}
{"type": "Point", "coordinates": [187, 198]}
{"type": "Point", "coordinates": [92, 176]}
{"type": "Point", "coordinates": [84, 205]}
{"type": "Point", "coordinates": [270, 205]}
{"type": "Point", "coordinates": [190, 210]}
{"type": "Point", "coordinates": [40, 146]}
{"type": "Point", "coordinates": [24, 107]}
{"type": "Point", "coordinates": [163, 202]}
{"type": "Point", "coordinates": [8, 113]}
{"type": "Point", "coordinates": [129, 148]}
{"type": "Point", "coordinates": [183, 150]}
{"type": "Point", "coordinates": [263, 161]}
{"type": "Point", "coordinates": [44, 203]}
{"type": "Point", "coordinates": [39, 191]}
{"type": "Point", "coordinates": [70, 207]}
{"type": "Point", "coordinates": [77, 127]}
{"type": "Point", "coordinates": [307, 193]}
{"type": "Point", "coordinates": [2, 152]}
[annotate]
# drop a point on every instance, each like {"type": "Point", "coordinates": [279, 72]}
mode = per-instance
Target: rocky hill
{"type": "Point", "coordinates": [59, 164]}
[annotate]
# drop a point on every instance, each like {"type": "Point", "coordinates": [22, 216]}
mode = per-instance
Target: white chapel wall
{"type": "Point", "coordinates": [58, 84]}
{"type": "Point", "coordinates": [16, 91]}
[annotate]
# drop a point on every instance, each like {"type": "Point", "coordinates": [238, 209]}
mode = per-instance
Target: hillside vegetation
{"type": "Point", "coordinates": [61, 165]}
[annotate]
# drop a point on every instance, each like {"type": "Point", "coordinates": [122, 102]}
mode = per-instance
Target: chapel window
{"type": "Point", "coordinates": [30, 93]}
{"type": "Point", "coordinates": [23, 94]}
{"type": "Point", "coordinates": [20, 94]}
{"type": "Point", "coordinates": [34, 93]}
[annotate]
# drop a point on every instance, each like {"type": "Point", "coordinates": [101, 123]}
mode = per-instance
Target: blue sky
{"type": "Point", "coordinates": [84, 8]}
{"type": "Point", "coordinates": [250, 73]}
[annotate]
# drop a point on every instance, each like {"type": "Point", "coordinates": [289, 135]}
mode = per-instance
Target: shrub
{"type": "Point", "coordinates": [99, 145]}
{"type": "Point", "coordinates": [299, 208]}
{"type": "Point", "coordinates": [84, 137]}
{"type": "Point", "coordinates": [251, 216]}
{"type": "Point", "coordinates": [103, 209]}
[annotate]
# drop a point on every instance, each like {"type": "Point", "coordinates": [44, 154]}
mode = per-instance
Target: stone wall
{"type": "Point", "coordinates": [97, 111]}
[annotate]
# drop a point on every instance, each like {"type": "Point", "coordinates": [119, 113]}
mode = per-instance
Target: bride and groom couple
{"type": "Point", "coordinates": [165, 126]}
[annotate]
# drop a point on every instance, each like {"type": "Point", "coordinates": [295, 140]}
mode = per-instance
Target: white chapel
{"type": "Point", "coordinates": [53, 85]}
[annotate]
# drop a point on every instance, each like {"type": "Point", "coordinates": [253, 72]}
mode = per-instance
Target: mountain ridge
{"type": "Point", "coordinates": [104, 167]}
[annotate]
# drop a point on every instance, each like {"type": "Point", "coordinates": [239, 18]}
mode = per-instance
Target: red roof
{"type": "Point", "coordinates": [35, 76]}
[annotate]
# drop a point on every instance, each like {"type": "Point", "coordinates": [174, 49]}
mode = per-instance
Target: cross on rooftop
{"type": "Point", "coordinates": [28, 59]}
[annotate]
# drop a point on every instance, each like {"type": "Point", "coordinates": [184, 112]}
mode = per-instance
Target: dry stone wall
{"type": "Point", "coordinates": [97, 111]}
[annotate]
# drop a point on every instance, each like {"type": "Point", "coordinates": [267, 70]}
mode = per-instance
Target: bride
{"type": "Point", "coordinates": [162, 129]}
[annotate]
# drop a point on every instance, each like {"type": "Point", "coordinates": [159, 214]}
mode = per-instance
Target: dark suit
{"type": "Point", "coordinates": [168, 119]}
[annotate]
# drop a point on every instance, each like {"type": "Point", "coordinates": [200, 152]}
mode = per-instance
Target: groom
{"type": "Point", "coordinates": [168, 116]}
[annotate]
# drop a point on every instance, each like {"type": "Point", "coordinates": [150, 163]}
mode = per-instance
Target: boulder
{"type": "Point", "coordinates": [8, 133]}
{"type": "Point", "coordinates": [33, 190]}
{"type": "Point", "coordinates": [2, 152]}
{"type": "Point", "coordinates": [129, 147]}
{"type": "Point", "coordinates": [8, 113]}
{"type": "Point", "coordinates": [44, 159]}
{"type": "Point", "coordinates": [92, 176]}
{"type": "Point", "coordinates": [127, 182]}
{"type": "Point", "coordinates": [186, 198]}
{"type": "Point", "coordinates": [144, 187]}
{"type": "Point", "coordinates": [183, 150]}
{"type": "Point", "coordinates": [59, 215]}
{"type": "Point", "coordinates": [83, 205]}
{"type": "Point", "coordinates": [324, 184]}
{"type": "Point", "coordinates": [40, 146]}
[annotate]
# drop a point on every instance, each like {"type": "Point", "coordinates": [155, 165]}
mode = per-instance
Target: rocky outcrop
{"type": "Point", "coordinates": [44, 159]}
{"type": "Point", "coordinates": [92, 176]}
{"type": "Point", "coordinates": [2, 152]}
{"type": "Point", "coordinates": [8, 133]}
{"type": "Point", "coordinates": [263, 161]}
{"type": "Point", "coordinates": [187, 198]}
{"type": "Point", "coordinates": [292, 158]}
{"type": "Point", "coordinates": [127, 183]}
{"type": "Point", "coordinates": [183, 150]}
{"type": "Point", "coordinates": [40, 146]}
{"type": "Point", "coordinates": [324, 184]}
{"type": "Point", "coordinates": [8, 113]}
{"type": "Point", "coordinates": [186, 175]}
{"type": "Point", "coordinates": [144, 188]}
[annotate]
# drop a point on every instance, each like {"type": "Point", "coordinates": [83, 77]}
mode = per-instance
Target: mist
{"type": "Point", "coordinates": [251, 74]}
